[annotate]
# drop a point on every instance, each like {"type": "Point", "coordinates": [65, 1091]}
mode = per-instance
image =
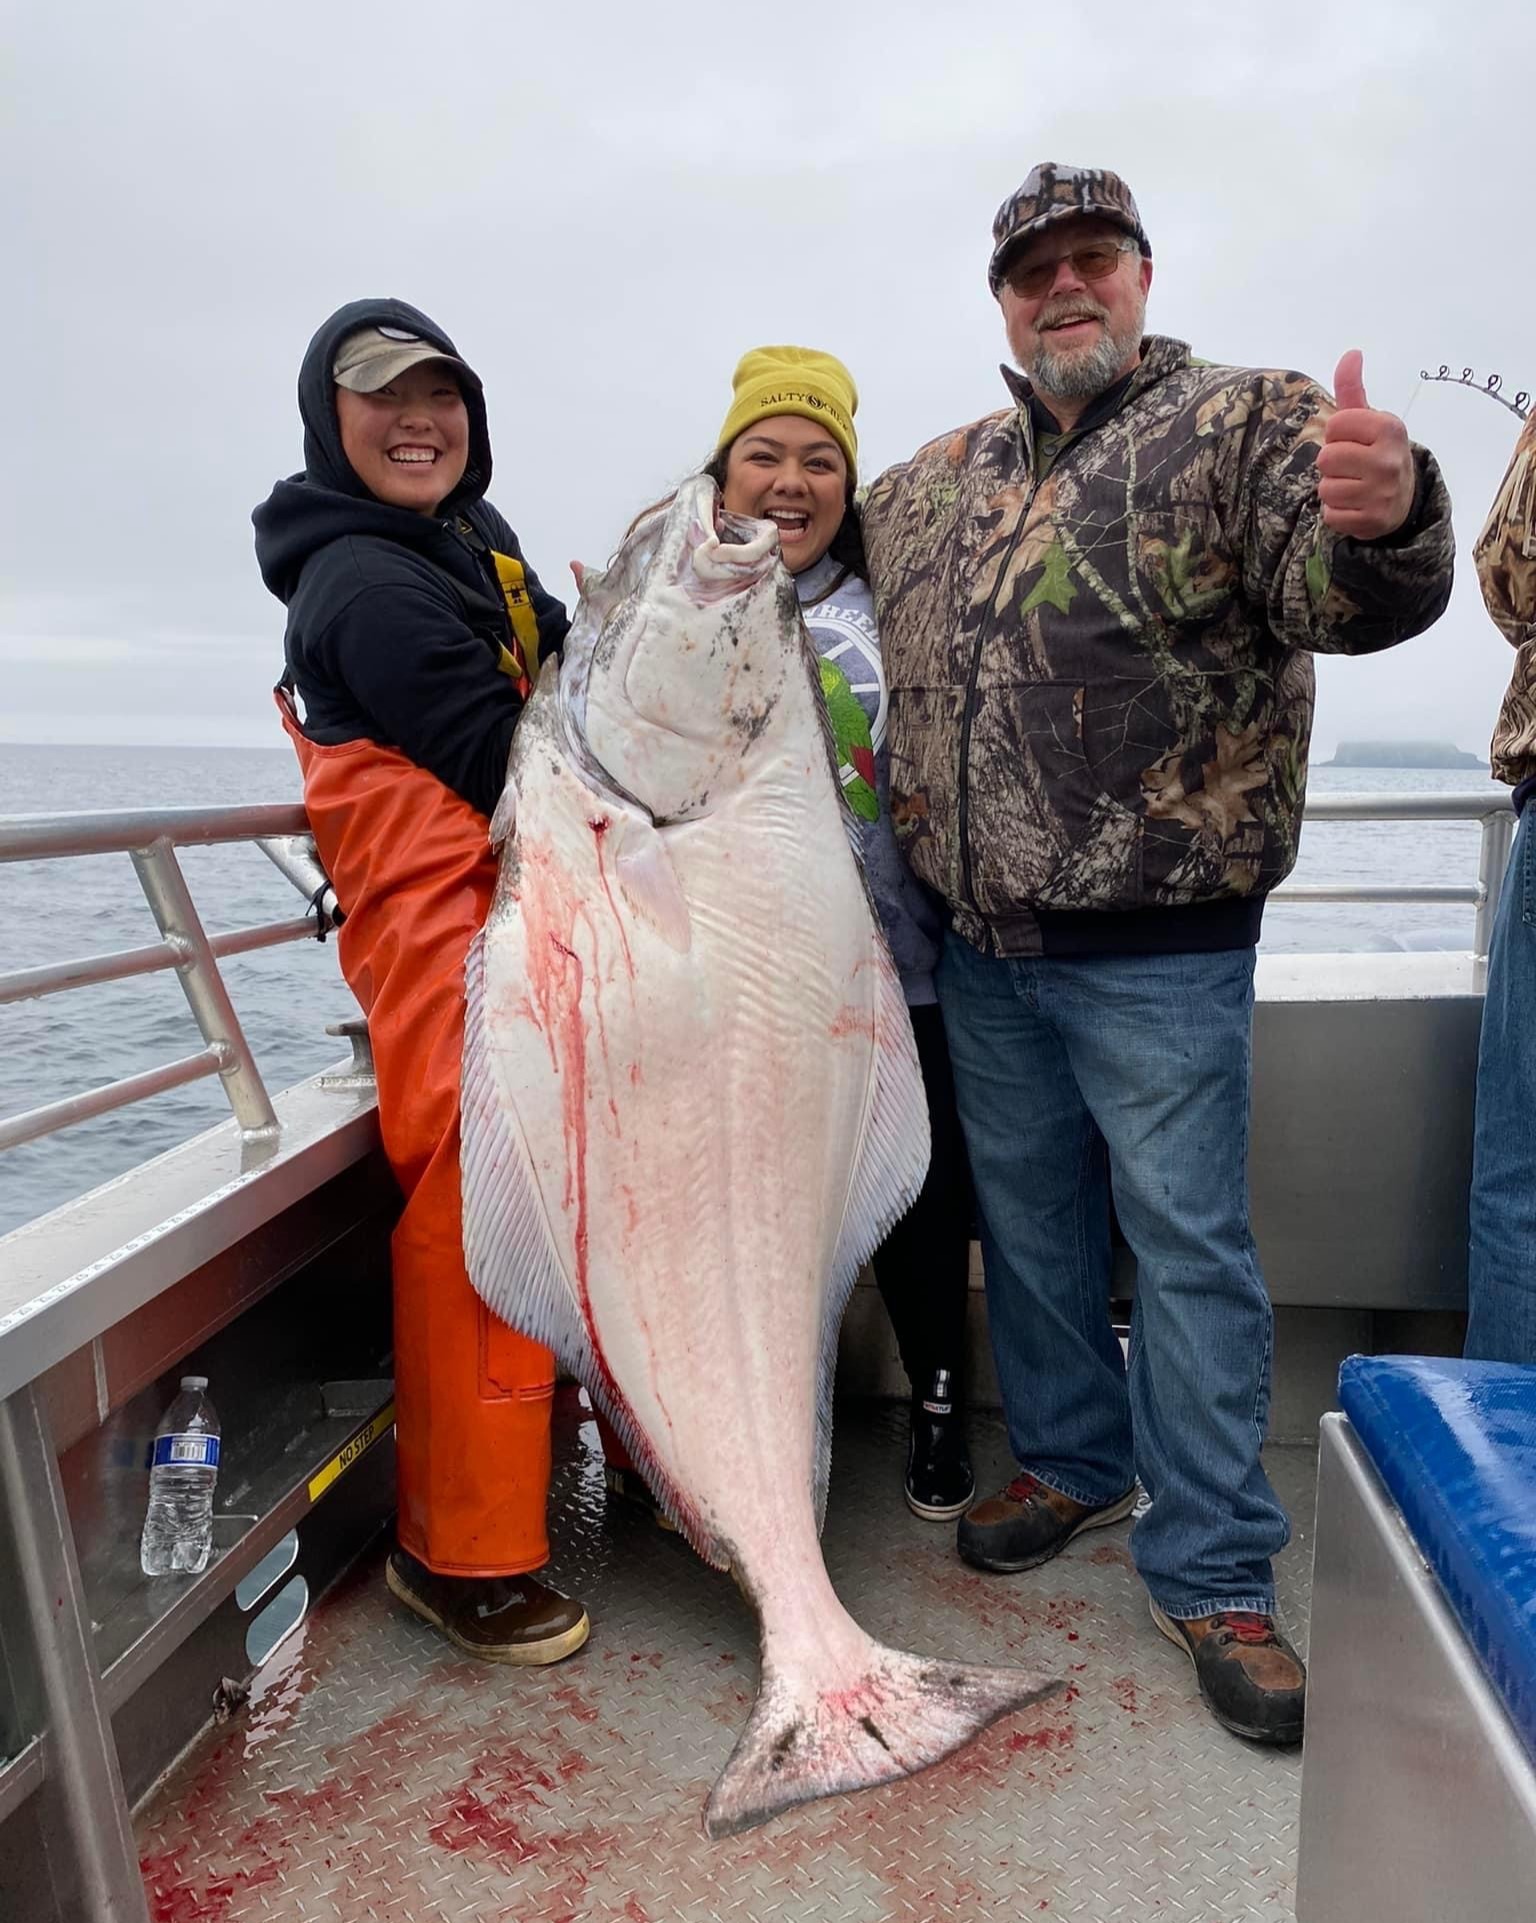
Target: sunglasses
{"type": "Point", "coordinates": [1094, 262]}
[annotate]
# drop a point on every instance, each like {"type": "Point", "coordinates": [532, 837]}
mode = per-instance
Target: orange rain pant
{"type": "Point", "coordinates": [412, 867]}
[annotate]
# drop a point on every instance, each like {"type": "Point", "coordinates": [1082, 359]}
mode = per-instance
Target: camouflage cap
{"type": "Point", "coordinates": [1052, 193]}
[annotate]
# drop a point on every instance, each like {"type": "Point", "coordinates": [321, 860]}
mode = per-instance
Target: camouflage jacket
{"type": "Point", "coordinates": [1506, 567]}
{"type": "Point", "coordinates": [1100, 678]}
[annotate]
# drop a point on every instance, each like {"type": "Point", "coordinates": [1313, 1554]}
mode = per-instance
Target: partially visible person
{"type": "Point", "coordinates": [1501, 1274]}
{"type": "Point", "coordinates": [1099, 608]}
{"type": "Point", "coordinates": [414, 628]}
{"type": "Point", "coordinates": [788, 453]}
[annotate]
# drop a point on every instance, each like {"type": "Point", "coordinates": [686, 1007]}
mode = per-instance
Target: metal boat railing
{"type": "Point", "coordinates": [151, 837]}
{"type": "Point", "coordinates": [1490, 808]}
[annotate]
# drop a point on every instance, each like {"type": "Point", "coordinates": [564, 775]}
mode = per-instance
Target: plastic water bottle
{"type": "Point", "coordinates": [178, 1528]}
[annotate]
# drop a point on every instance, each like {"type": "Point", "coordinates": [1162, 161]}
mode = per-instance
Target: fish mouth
{"type": "Point", "coordinates": [724, 553]}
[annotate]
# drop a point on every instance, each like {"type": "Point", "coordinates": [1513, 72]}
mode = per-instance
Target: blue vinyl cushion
{"type": "Point", "coordinates": [1455, 1442]}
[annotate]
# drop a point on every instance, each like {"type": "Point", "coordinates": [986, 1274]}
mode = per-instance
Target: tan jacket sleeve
{"type": "Point", "coordinates": [1506, 570]}
{"type": "Point", "coordinates": [1506, 549]}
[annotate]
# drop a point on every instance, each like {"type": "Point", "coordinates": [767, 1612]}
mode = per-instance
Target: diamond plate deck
{"type": "Point", "coordinates": [381, 1776]}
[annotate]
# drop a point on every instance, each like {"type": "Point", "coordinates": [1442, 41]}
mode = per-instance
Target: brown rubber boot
{"type": "Point", "coordinates": [500, 1619]}
{"type": "Point", "coordinates": [1252, 1681]}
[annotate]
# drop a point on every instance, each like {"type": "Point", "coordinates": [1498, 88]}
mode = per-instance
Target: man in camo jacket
{"type": "Point", "coordinates": [1501, 1276]}
{"type": "Point", "coordinates": [1099, 609]}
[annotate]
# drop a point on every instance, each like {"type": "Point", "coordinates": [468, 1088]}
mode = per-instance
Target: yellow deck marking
{"type": "Point", "coordinates": [360, 1444]}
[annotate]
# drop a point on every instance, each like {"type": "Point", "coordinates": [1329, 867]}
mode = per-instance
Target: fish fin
{"type": "Point", "coordinates": [901, 1714]}
{"type": "Point", "coordinates": [671, 1500]}
{"type": "Point", "coordinates": [514, 1264]}
{"type": "Point", "coordinates": [887, 1174]}
{"type": "Point", "coordinates": [504, 820]}
{"type": "Point", "coordinates": [651, 885]}
{"type": "Point", "coordinates": [509, 1250]}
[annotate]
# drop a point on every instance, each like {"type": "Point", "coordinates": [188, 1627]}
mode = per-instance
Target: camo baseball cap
{"type": "Point", "coordinates": [1053, 193]}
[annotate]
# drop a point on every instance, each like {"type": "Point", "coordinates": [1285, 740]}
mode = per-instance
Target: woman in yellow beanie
{"type": "Point", "coordinates": [788, 453]}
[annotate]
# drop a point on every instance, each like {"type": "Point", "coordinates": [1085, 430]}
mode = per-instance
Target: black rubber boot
{"type": "Point", "coordinates": [939, 1482]}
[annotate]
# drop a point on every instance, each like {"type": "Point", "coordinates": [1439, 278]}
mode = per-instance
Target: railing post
{"type": "Point", "coordinates": [170, 901]}
{"type": "Point", "coordinates": [81, 1768]}
{"type": "Point", "coordinates": [294, 857]}
{"type": "Point", "coordinates": [1492, 860]}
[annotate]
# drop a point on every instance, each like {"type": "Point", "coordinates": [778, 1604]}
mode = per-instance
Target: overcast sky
{"type": "Point", "coordinates": [606, 204]}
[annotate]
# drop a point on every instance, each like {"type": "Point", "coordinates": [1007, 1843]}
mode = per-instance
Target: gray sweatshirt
{"type": "Point", "coordinates": [842, 625]}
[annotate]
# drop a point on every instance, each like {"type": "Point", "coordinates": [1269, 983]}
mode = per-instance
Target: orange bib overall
{"type": "Point", "coordinates": [412, 867]}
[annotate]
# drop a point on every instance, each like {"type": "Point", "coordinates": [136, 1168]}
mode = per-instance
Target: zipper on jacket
{"type": "Point", "coordinates": [967, 713]}
{"type": "Point", "coordinates": [1065, 445]}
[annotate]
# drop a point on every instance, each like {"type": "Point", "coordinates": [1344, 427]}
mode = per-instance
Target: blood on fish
{"type": "Point", "coordinates": [600, 827]}
{"type": "Point", "coordinates": [557, 989]}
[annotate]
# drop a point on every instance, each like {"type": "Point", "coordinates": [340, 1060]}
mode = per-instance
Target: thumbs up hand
{"type": "Point", "coordinates": [1365, 469]}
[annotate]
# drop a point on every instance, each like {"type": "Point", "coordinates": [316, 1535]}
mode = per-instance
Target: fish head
{"type": "Point", "coordinates": [680, 652]}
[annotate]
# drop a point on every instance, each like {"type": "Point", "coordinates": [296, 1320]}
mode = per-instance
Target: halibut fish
{"type": "Point", "coordinates": [692, 1108]}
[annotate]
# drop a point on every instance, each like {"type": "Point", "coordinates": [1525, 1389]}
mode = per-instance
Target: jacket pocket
{"type": "Point", "coordinates": [1053, 776]}
{"type": "Point", "coordinates": [924, 735]}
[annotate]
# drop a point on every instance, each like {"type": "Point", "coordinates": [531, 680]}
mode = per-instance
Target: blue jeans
{"type": "Point", "coordinates": [1131, 1068]}
{"type": "Point", "coordinates": [1501, 1272]}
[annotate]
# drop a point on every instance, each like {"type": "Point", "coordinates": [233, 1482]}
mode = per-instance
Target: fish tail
{"type": "Point", "coordinates": [901, 1714]}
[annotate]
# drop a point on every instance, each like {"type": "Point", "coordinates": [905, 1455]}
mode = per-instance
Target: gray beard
{"type": "Point", "coordinates": [1084, 374]}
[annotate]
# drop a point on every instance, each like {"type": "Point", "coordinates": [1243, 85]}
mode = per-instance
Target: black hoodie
{"type": "Point", "coordinates": [396, 620]}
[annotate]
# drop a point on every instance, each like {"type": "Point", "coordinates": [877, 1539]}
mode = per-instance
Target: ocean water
{"type": "Point", "coordinates": [53, 911]}
{"type": "Point", "coordinates": [56, 910]}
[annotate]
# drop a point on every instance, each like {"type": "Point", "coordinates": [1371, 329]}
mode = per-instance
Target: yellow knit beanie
{"type": "Point", "coordinates": [794, 380]}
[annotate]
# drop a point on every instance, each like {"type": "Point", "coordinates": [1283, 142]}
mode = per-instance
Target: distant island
{"type": "Point", "coordinates": [1402, 754]}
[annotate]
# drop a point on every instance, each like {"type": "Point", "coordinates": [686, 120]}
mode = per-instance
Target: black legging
{"type": "Point", "coordinates": [923, 1265]}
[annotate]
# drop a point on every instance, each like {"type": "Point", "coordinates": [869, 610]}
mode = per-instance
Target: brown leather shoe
{"type": "Point", "coordinates": [1252, 1681]}
{"type": "Point", "coordinates": [501, 1619]}
{"type": "Point", "coordinates": [1027, 1523]}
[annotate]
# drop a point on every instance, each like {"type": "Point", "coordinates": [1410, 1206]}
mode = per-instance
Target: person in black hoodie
{"type": "Point", "coordinates": [414, 632]}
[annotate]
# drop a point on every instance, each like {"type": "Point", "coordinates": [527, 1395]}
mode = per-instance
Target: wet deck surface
{"type": "Point", "coordinates": [379, 1775]}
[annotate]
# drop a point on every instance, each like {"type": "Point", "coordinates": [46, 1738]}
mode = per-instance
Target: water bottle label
{"type": "Point", "coordinates": [201, 1452]}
